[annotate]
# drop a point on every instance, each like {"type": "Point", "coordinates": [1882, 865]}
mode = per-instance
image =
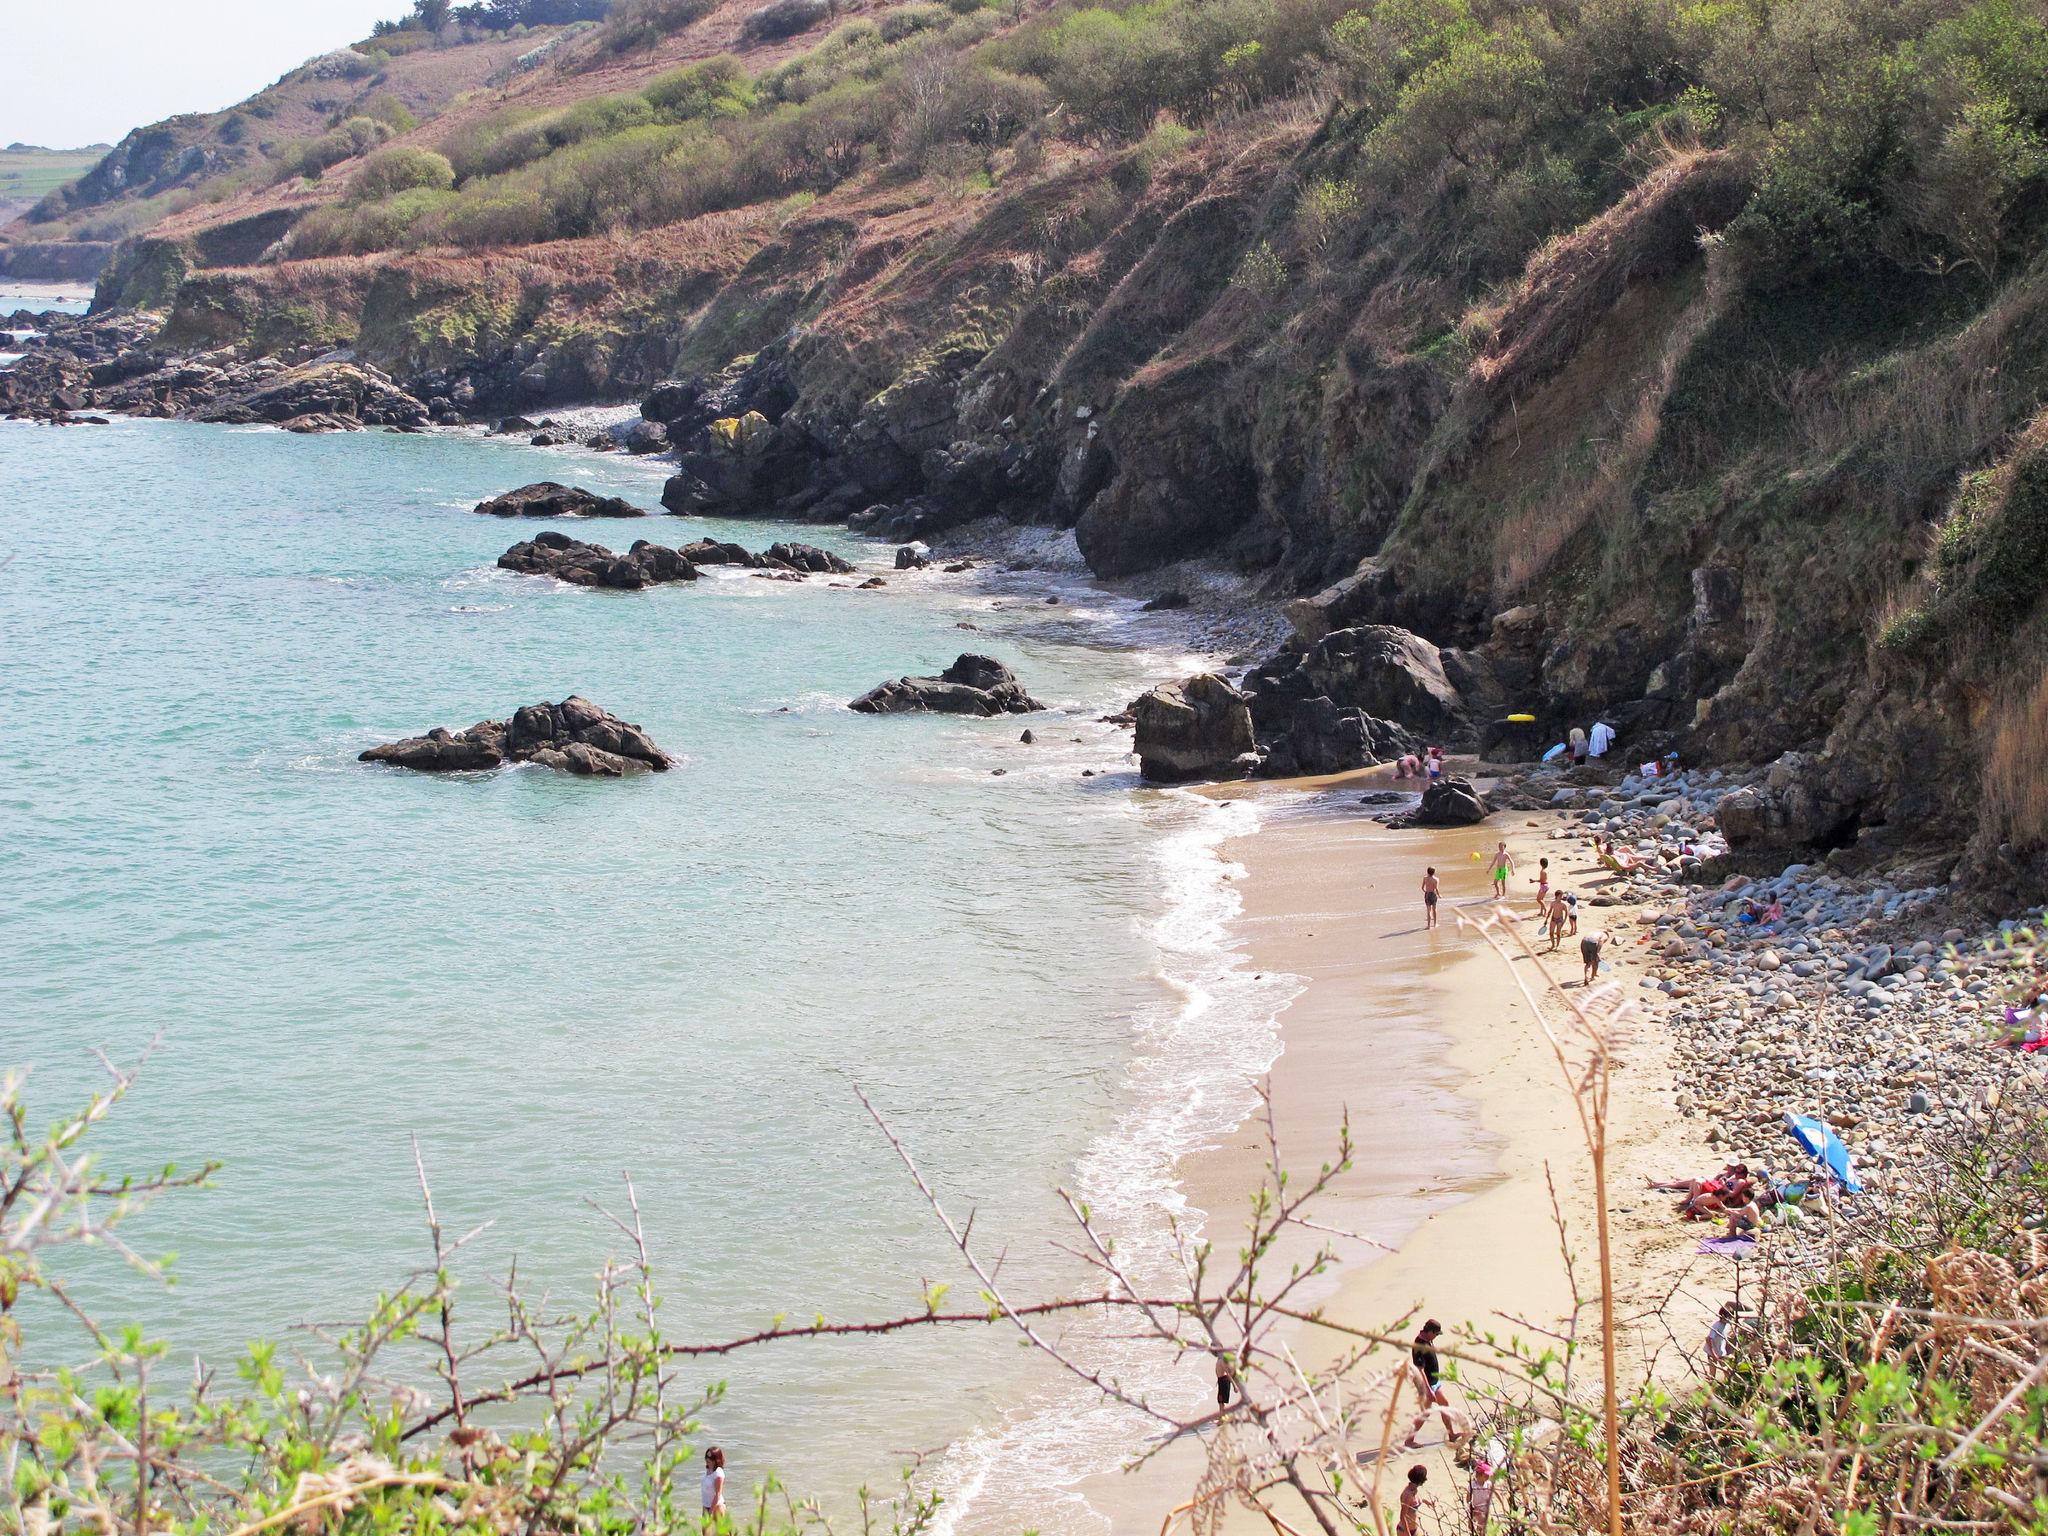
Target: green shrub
{"type": "Point", "coordinates": [510, 140]}
{"type": "Point", "coordinates": [312, 157]}
{"type": "Point", "coordinates": [401, 168]}
{"type": "Point", "coordinates": [904, 21]}
{"type": "Point", "coordinates": [1327, 206]}
{"type": "Point", "coordinates": [715, 87]}
{"type": "Point", "coordinates": [1261, 273]}
{"type": "Point", "coordinates": [387, 109]}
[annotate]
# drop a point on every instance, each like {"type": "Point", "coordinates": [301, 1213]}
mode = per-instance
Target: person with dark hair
{"type": "Point", "coordinates": [714, 1483]}
{"type": "Point", "coordinates": [1224, 1380]}
{"type": "Point", "coordinates": [1429, 895]}
{"type": "Point", "coordinates": [1429, 1379]}
{"type": "Point", "coordinates": [1412, 1501]}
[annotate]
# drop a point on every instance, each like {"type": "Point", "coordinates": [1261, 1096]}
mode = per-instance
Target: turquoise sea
{"type": "Point", "coordinates": [551, 982]}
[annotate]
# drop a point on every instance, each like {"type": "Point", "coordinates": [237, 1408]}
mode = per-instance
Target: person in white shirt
{"type": "Point", "coordinates": [1721, 1337]}
{"type": "Point", "coordinates": [714, 1483]}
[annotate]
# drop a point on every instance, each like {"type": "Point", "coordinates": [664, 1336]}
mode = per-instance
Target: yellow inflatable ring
{"type": "Point", "coordinates": [1523, 719]}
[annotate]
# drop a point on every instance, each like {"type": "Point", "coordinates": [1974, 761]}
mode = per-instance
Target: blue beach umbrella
{"type": "Point", "coordinates": [1825, 1148]}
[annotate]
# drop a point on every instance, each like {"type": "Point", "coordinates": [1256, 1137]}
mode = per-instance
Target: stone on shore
{"type": "Point", "coordinates": [592, 565]}
{"type": "Point", "coordinates": [546, 498]}
{"type": "Point", "coordinates": [1450, 803]}
{"type": "Point", "coordinates": [1197, 729]}
{"type": "Point", "coordinates": [973, 685]}
{"type": "Point", "coordinates": [574, 736]}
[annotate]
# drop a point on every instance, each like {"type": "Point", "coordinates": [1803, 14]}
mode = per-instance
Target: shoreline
{"type": "Point", "coordinates": [1456, 1104]}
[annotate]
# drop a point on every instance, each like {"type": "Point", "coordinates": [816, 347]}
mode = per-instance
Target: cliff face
{"type": "Point", "coordinates": [1605, 413]}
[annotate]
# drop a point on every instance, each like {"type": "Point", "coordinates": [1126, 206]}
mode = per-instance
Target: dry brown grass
{"type": "Point", "coordinates": [2016, 766]}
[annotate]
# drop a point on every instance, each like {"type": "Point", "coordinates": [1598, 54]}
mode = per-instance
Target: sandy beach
{"type": "Point", "coordinates": [1458, 1108]}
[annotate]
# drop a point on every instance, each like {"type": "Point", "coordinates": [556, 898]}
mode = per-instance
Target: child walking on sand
{"type": "Point", "coordinates": [1542, 889]}
{"type": "Point", "coordinates": [1503, 866]}
{"type": "Point", "coordinates": [1429, 891]}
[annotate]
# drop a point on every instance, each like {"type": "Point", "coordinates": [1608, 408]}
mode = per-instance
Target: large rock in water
{"type": "Point", "coordinates": [546, 498]}
{"type": "Point", "coordinates": [1450, 803]}
{"type": "Point", "coordinates": [592, 565]}
{"type": "Point", "coordinates": [1197, 729]}
{"type": "Point", "coordinates": [973, 685]}
{"type": "Point", "coordinates": [574, 736]}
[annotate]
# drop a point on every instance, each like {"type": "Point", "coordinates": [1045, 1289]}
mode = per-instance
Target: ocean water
{"type": "Point", "coordinates": [551, 982]}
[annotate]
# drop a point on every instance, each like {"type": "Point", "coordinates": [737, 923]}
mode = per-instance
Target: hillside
{"type": "Point", "coordinates": [1676, 362]}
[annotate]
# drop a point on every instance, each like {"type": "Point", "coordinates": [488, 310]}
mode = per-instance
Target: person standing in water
{"type": "Point", "coordinates": [714, 1483]}
{"type": "Point", "coordinates": [1429, 894]}
{"type": "Point", "coordinates": [1503, 866]}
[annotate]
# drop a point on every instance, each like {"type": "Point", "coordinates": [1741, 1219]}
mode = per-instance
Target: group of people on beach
{"type": "Point", "coordinates": [1556, 909]}
{"type": "Point", "coordinates": [1428, 764]}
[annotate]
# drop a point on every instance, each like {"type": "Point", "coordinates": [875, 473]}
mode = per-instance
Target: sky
{"type": "Point", "coordinates": [86, 71]}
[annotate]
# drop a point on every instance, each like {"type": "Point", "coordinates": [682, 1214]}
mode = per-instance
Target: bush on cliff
{"type": "Point", "coordinates": [401, 168]}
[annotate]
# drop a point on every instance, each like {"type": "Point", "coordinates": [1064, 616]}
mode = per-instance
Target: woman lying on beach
{"type": "Point", "coordinates": [1694, 1190]}
{"type": "Point", "coordinates": [2025, 1029]}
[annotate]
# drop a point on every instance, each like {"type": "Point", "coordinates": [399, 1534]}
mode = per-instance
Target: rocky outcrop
{"type": "Point", "coordinates": [574, 736]}
{"type": "Point", "coordinates": [1802, 805]}
{"type": "Point", "coordinates": [741, 463]}
{"type": "Point", "coordinates": [973, 685]}
{"type": "Point", "coordinates": [319, 389]}
{"type": "Point", "coordinates": [1514, 741]}
{"type": "Point", "coordinates": [1351, 698]}
{"type": "Point", "coordinates": [547, 498]}
{"type": "Point", "coordinates": [1197, 729]}
{"type": "Point", "coordinates": [1322, 737]}
{"type": "Point", "coordinates": [592, 565]}
{"type": "Point", "coordinates": [808, 558]}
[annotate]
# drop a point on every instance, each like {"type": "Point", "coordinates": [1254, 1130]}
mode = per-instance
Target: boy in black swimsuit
{"type": "Point", "coordinates": [1429, 887]}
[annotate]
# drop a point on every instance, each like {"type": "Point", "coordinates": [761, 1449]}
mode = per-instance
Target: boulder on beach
{"type": "Point", "coordinates": [592, 565]}
{"type": "Point", "coordinates": [574, 736]}
{"type": "Point", "coordinates": [546, 498]}
{"type": "Point", "coordinates": [1197, 729]}
{"type": "Point", "coordinates": [973, 685]}
{"type": "Point", "coordinates": [1450, 803]}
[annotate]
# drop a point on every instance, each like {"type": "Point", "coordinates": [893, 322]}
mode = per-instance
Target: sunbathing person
{"type": "Point", "coordinates": [2026, 1027]}
{"type": "Point", "coordinates": [1730, 1175]}
{"type": "Point", "coordinates": [1706, 1205]}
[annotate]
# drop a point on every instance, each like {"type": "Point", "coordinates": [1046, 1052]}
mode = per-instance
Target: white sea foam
{"type": "Point", "coordinates": [1198, 1054]}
